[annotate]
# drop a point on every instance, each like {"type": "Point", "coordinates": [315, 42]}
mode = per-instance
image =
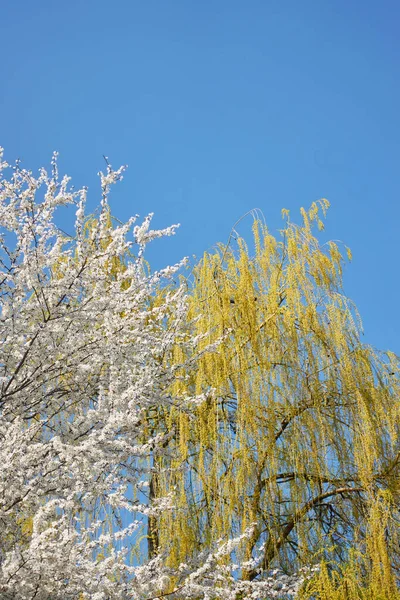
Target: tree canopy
{"type": "Point", "coordinates": [224, 436]}
{"type": "Point", "coordinates": [300, 430]}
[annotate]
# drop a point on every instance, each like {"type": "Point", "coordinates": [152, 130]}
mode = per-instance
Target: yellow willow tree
{"type": "Point", "coordinates": [299, 434]}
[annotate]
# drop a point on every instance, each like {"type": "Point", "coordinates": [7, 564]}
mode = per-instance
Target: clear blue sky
{"type": "Point", "coordinates": [217, 107]}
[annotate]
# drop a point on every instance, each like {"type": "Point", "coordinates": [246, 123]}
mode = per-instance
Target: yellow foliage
{"type": "Point", "coordinates": [300, 427]}
{"type": "Point", "coordinates": [368, 574]}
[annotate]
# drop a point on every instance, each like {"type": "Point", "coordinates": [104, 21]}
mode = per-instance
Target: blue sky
{"type": "Point", "coordinates": [219, 107]}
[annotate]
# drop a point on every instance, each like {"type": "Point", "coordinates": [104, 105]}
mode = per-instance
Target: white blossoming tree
{"type": "Point", "coordinates": [83, 360]}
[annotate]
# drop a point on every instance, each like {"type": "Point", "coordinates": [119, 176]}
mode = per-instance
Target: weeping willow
{"type": "Point", "coordinates": [298, 433]}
